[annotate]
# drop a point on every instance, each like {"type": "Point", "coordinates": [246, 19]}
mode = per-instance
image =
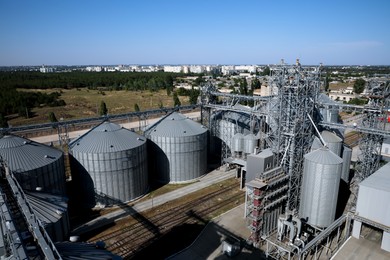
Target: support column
{"type": "Point", "coordinates": [357, 226]}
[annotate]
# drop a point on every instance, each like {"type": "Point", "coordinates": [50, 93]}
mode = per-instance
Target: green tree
{"type": "Point", "coordinates": [255, 84]}
{"type": "Point", "coordinates": [103, 109]}
{"type": "Point", "coordinates": [266, 71]}
{"type": "Point", "coordinates": [194, 93]}
{"type": "Point", "coordinates": [359, 85]}
{"type": "Point", "coordinates": [176, 100]}
{"type": "Point", "coordinates": [136, 107]}
{"type": "Point", "coordinates": [52, 117]}
{"type": "Point", "coordinates": [326, 84]}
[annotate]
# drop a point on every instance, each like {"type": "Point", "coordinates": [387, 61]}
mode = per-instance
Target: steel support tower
{"type": "Point", "coordinates": [297, 89]}
{"type": "Point", "coordinates": [370, 144]}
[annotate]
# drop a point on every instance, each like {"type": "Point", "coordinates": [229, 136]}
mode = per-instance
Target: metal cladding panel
{"type": "Point", "coordinates": [250, 143]}
{"type": "Point", "coordinates": [237, 143]}
{"type": "Point", "coordinates": [347, 155]}
{"type": "Point", "coordinates": [374, 196]}
{"type": "Point", "coordinates": [333, 141]}
{"type": "Point", "coordinates": [258, 163]}
{"type": "Point", "coordinates": [179, 159]}
{"type": "Point", "coordinates": [121, 175]}
{"type": "Point", "coordinates": [320, 187]}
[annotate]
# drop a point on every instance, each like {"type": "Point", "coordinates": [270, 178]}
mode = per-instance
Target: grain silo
{"type": "Point", "coordinates": [179, 148]}
{"type": "Point", "coordinates": [320, 187]}
{"type": "Point", "coordinates": [250, 143]}
{"type": "Point", "coordinates": [52, 211]}
{"type": "Point", "coordinates": [116, 160]}
{"type": "Point", "coordinates": [333, 142]}
{"type": "Point", "coordinates": [347, 155]}
{"type": "Point", "coordinates": [330, 112]}
{"type": "Point", "coordinates": [34, 165]}
{"type": "Point", "coordinates": [237, 144]}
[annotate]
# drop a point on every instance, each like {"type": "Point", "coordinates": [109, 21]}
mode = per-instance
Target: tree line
{"type": "Point", "coordinates": [92, 80]}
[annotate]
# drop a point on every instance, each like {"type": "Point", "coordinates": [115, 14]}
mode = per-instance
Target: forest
{"type": "Point", "coordinates": [13, 100]}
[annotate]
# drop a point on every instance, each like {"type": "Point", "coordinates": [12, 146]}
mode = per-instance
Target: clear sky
{"type": "Point", "coordinates": [82, 32]}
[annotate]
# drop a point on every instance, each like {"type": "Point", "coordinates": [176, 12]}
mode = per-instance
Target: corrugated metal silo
{"type": "Point", "coordinates": [330, 113]}
{"type": "Point", "coordinates": [116, 160]}
{"type": "Point", "coordinates": [34, 164]}
{"type": "Point", "coordinates": [333, 141]}
{"type": "Point", "coordinates": [250, 143]}
{"type": "Point", "coordinates": [347, 155]}
{"type": "Point", "coordinates": [237, 142]}
{"type": "Point", "coordinates": [52, 211]}
{"type": "Point", "coordinates": [320, 187]}
{"type": "Point", "coordinates": [179, 148]}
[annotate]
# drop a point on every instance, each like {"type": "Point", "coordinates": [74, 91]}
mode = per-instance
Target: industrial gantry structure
{"type": "Point", "coordinates": [285, 123]}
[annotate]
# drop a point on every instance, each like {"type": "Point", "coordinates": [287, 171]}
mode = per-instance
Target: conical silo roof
{"type": "Point", "coordinates": [316, 144]}
{"type": "Point", "coordinates": [107, 137]}
{"type": "Point", "coordinates": [47, 207]}
{"type": "Point", "coordinates": [323, 156]}
{"type": "Point", "coordinates": [330, 137]}
{"type": "Point", "coordinates": [24, 155]}
{"type": "Point", "coordinates": [177, 125]}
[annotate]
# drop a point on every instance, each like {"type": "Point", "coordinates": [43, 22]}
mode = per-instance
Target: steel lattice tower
{"type": "Point", "coordinates": [370, 144]}
{"type": "Point", "coordinates": [297, 88]}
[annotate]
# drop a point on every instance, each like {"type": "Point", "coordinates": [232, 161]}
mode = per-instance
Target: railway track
{"type": "Point", "coordinates": [144, 231]}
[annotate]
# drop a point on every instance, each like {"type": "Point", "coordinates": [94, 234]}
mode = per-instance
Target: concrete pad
{"type": "Point", "coordinates": [209, 243]}
{"type": "Point", "coordinates": [361, 249]}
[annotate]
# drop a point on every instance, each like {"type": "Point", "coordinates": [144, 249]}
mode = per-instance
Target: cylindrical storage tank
{"type": "Point", "coordinates": [178, 148]}
{"type": "Point", "coordinates": [330, 113]}
{"type": "Point", "coordinates": [34, 165]}
{"type": "Point", "coordinates": [333, 142]}
{"type": "Point", "coordinates": [320, 187]}
{"type": "Point", "coordinates": [250, 143]}
{"type": "Point", "coordinates": [116, 160]}
{"type": "Point", "coordinates": [237, 142]}
{"type": "Point", "coordinates": [347, 155]}
{"type": "Point", "coordinates": [52, 211]}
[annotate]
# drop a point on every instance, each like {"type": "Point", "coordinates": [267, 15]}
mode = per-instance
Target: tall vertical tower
{"type": "Point", "coordinates": [296, 90]}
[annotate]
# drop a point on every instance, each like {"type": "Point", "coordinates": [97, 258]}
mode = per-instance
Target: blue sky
{"type": "Point", "coordinates": [82, 32]}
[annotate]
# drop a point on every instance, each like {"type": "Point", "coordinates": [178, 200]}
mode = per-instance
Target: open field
{"type": "Point", "coordinates": [81, 103]}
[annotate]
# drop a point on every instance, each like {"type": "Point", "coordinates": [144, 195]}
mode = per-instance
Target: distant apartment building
{"type": "Point", "coordinates": [94, 69]}
{"type": "Point", "coordinates": [227, 69]}
{"type": "Point", "coordinates": [44, 69]}
{"type": "Point", "coordinates": [196, 69]}
{"type": "Point", "coordinates": [230, 69]}
{"type": "Point", "coordinates": [175, 69]}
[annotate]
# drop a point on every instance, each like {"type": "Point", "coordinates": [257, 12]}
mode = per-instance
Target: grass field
{"type": "Point", "coordinates": [81, 103]}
